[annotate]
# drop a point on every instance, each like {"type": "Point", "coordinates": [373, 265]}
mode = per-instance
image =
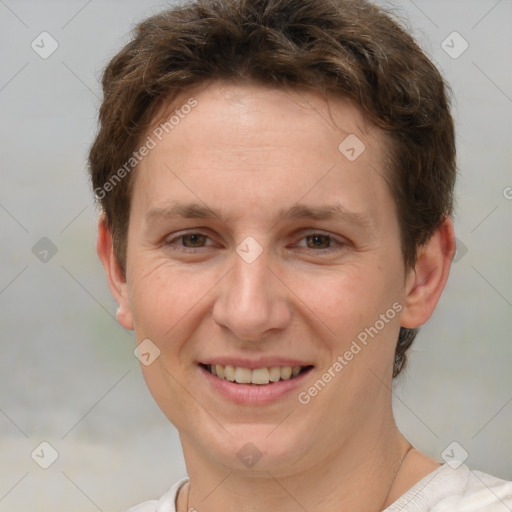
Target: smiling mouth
{"type": "Point", "coordinates": [259, 376]}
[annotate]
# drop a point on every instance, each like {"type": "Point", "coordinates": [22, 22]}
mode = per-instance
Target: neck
{"type": "Point", "coordinates": [357, 475]}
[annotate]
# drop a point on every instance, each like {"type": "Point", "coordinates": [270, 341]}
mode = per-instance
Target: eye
{"type": "Point", "coordinates": [195, 239]}
{"type": "Point", "coordinates": [188, 241]}
{"type": "Point", "coordinates": [321, 242]}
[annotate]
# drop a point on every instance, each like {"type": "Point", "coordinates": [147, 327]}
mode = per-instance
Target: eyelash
{"type": "Point", "coordinates": [332, 240]}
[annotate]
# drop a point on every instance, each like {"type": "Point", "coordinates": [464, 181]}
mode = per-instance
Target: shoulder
{"type": "Point", "coordinates": [165, 504]}
{"type": "Point", "coordinates": [456, 490]}
{"type": "Point", "coordinates": [482, 493]}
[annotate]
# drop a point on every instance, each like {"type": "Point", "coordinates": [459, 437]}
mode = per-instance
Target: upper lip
{"type": "Point", "coordinates": [252, 364]}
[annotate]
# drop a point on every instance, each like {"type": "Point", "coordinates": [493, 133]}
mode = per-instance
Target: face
{"type": "Point", "coordinates": [263, 242]}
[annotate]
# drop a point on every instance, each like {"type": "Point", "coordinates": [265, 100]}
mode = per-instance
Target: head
{"type": "Point", "coordinates": [249, 109]}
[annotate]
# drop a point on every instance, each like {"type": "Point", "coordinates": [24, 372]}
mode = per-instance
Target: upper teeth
{"type": "Point", "coordinates": [257, 376]}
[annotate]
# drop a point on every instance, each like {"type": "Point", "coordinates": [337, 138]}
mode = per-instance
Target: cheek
{"type": "Point", "coordinates": [345, 298]}
{"type": "Point", "coordinates": [161, 298]}
{"type": "Point", "coordinates": [340, 302]}
{"type": "Point", "coordinates": [358, 308]}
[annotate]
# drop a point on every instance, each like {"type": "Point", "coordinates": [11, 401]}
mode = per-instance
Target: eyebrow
{"type": "Point", "coordinates": [324, 212]}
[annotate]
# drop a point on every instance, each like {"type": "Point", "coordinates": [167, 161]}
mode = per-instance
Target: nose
{"type": "Point", "coordinates": [252, 300]}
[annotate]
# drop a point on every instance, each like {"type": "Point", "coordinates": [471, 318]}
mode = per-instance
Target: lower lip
{"type": "Point", "coordinates": [253, 394]}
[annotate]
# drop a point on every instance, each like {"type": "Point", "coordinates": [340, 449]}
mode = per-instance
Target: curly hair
{"type": "Point", "coordinates": [341, 48]}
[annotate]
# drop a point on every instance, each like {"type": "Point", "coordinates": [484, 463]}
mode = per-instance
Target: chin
{"type": "Point", "coordinates": [249, 450]}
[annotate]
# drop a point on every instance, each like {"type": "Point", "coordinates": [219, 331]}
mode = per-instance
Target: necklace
{"type": "Point", "coordinates": [408, 449]}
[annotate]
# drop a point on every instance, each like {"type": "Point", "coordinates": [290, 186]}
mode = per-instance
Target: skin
{"type": "Point", "coordinates": [249, 151]}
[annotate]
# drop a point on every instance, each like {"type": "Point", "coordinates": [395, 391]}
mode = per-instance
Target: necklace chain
{"type": "Point", "coordinates": [408, 449]}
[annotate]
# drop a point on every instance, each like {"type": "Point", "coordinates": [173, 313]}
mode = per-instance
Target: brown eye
{"type": "Point", "coordinates": [318, 241]}
{"type": "Point", "coordinates": [195, 239]}
{"type": "Point", "coordinates": [321, 244]}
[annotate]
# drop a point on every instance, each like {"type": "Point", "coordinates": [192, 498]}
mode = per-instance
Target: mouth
{"type": "Point", "coordinates": [257, 376]}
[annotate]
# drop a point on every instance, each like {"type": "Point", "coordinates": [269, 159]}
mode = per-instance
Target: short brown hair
{"type": "Point", "coordinates": [342, 48]}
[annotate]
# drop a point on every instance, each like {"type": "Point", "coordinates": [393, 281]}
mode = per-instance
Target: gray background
{"type": "Point", "coordinates": [67, 372]}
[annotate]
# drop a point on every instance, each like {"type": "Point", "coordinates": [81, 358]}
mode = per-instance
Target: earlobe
{"type": "Point", "coordinates": [115, 275]}
{"type": "Point", "coordinates": [425, 283]}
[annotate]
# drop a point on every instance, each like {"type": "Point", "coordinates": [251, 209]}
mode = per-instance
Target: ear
{"type": "Point", "coordinates": [115, 275]}
{"type": "Point", "coordinates": [425, 283]}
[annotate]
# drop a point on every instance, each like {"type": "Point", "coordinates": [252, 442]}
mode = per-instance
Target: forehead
{"type": "Point", "coordinates": [243, 144]}
{"type": "Point", "coordinates": [243, 106]}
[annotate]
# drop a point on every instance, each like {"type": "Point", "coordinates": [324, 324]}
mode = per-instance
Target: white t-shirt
{"type": "Point", "coordinates": [444, 490]}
